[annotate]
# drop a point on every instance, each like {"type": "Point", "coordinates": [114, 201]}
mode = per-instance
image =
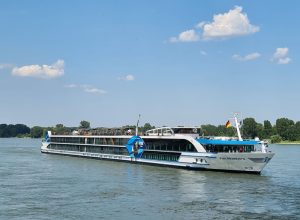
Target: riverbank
{"type": "Point", "coordinates": [289, 142]}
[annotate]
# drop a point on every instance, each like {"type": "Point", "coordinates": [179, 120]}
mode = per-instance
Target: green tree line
{"type": "Point", "coordinates": [17, 130]}
{"type": "Point", "coordinates": [283, 130]}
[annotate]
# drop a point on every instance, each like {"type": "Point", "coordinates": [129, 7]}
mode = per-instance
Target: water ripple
{"type": "Point", "coordinates": [41, 186]}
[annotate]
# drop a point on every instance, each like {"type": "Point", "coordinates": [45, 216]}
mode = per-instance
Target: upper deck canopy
{"type": "Point", "coordinates": [205, 141]}
{"type": "Point", "coordinates": [173, 130]}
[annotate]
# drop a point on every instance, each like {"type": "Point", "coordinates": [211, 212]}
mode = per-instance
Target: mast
{"type": "Point", "coordinates": [237, 127]}
{"type": "Point", "coordinates": [137, 125]}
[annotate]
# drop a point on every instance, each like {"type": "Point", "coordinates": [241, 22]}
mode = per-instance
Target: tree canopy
{"type": "Point", "coordinates": [221, 130]}
{"type": "Point", "coordinates": [13, 130]}
{"type": "Point", "coordinates": [284, 129]}
{"type": "Point", "coordinates": [36, 132]}
{"type": "Point", "coordinates": [147, 127]}
{"type": "Point", "coordinates": [250, 128]}
{"type": "Point", "coordinates": [84, 125]}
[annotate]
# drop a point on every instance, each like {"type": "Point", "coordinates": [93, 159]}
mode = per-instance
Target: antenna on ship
{"type": "Point", "coordinates": [237, 125]}
{"type": "Point", "coordinates": [137, 125]}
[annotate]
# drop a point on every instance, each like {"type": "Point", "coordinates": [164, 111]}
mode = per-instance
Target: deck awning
{"type": "Point", "coordinates": [225, 142]}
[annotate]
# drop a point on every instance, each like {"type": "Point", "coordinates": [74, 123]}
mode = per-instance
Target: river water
{"type": "Point", "coordinates": [44, 186]}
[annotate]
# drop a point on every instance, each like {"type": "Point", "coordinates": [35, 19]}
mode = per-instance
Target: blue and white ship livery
{"type": "Point", "coordinates": [179, 147]}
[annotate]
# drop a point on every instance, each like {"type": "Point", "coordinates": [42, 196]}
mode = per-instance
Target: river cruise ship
{"type": "Point", "coordinates": [180, 147]}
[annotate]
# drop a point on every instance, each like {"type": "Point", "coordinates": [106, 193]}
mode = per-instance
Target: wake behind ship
{"type": "Point", "coordinates": [180, 147]}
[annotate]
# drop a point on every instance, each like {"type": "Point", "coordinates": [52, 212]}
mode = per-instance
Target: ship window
{"type": "Point", "coordinates": [160, 156]}
{"type": "Point", "coordinates": [82, 140]}
{"type": "Point", "coordinates": [110, 141]}
{"type": "Point", "coordinates": [156, 146]}
{"type": "Point", "coordinates": [175, 147]}
{"type": "Point", "coordinates": [102, 141]}
{"type": "Point", "coordinates": [182, 148]}
{"type": "Point", "coordinates": [169, 145]}
{"type": "Point", "coordinates": [228, 148]}
{"type": "Point", "coordinates": [90, 141]}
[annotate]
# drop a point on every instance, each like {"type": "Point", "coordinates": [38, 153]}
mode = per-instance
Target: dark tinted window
{"type": "Point", "coordinates": [169, 145]}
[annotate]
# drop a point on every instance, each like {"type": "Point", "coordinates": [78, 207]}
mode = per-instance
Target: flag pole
{"type": "Point", "coordinates": [137, 125]}
{"type": "Point", "coordinates": [237, 127]}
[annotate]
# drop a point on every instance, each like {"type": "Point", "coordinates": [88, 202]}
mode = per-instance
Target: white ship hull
{"type": "Point", "coordinates": [253, 162]}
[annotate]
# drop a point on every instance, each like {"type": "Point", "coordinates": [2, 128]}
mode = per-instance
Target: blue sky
{"type": "Point", "coordinates": [173, 62]}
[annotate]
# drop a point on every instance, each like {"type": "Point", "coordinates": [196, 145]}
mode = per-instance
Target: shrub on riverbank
{"type": "Point", "coordinates": [276, 139]}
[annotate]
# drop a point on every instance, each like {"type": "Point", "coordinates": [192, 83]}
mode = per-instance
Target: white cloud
{"type": "Point", "coordinates": [281, 56]}
{"type": "Point", "coordinates": [86, 88]}
{"type": "Point", "coordinates": [280, 52]}
{"type": "Point", "coordinates": [92, 89]}
{"type": "Point", "coordinates": [128, 77]}
{"type": "Point", "coordinates": [71, 86]}
{"type": "Point", "coordinates": [284, 60]}
{"type": "Point", "coordinates": [231, 24]}
{"type": "Point", "coordinates": [186, 36]}
{"type": "Point", "coordinates": [95, 90]}
{"type": "Point", "coordinates": [203, 53]}
{"type": "Point", "coordinates": [251, 56]}
{"type": "Point", "coordinates": [201, 24]}
{"type": "Point", "coordinates": [40, 71]}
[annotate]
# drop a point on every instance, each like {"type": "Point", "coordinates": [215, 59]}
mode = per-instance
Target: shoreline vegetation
{"type": "Point", "coordinates": [284, 131]}
{"type": "Point", "coordinates": [279, 143]}
{"type": "Point", "coordinates": [289, 143]}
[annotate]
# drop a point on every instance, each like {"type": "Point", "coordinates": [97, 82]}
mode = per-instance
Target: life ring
{"type": "Point", "coordinates": [135, 147]}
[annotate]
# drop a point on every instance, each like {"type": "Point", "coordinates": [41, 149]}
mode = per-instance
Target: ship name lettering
{"type": "Point", "coordinates": [231, 158]}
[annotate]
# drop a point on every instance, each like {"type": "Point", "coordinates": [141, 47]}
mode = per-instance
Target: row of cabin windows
{"type": "Point", "coordinates": [169, 145]}
{"type": "Point", "coordinates": [113, 150]}
{"type": "Point", "coordinates": [228, 149]}
{"type": "Point", "coordinates": [167, 157]}
{"type": "Point", "coordinates": [151, 144]}
{"type": "Point", "coordinates": [91, 149]}
{"type": "Point", "coordinates": [97, 141]}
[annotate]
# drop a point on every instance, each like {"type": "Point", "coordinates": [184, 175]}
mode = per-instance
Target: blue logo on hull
{"type": "Point", "coordinates": [135, 147]}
